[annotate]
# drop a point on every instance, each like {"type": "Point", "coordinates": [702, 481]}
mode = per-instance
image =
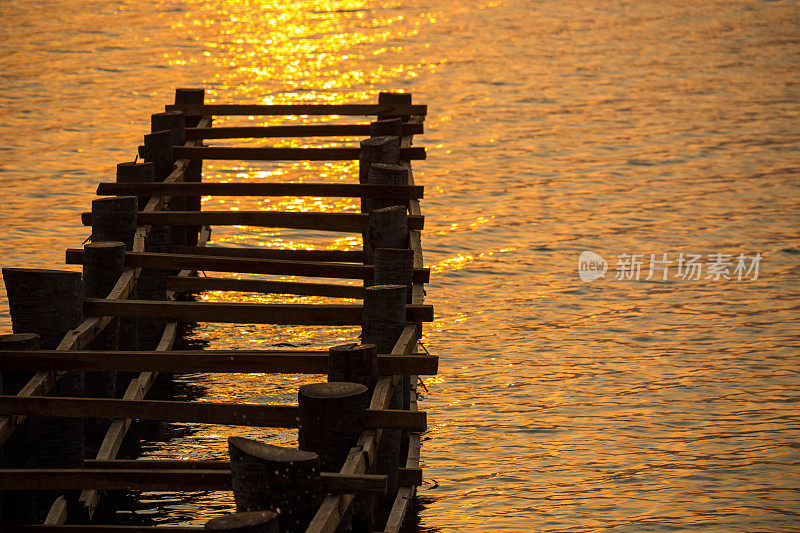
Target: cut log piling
{"type": "Point", "coordinates": [252, 522]}
{"type": "Point", "coordinates": [274, 478]}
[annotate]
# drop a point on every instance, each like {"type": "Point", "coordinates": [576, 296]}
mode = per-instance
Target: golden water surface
{"type": "Point", "coordinates": [555, 127]}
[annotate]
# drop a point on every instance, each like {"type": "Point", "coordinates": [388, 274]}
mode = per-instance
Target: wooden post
{"type": "Point", "coordinates": [354, 363]}
{"type": "Point", "coordinates": [383, 322]}
{"type": "Point", "coordinates": [194, 172]}
{"type": "Point", "coordinates": [46, 302]}
{"type": "Point", "coordinates": [357, 363]}
{"type": "Point", "coordinates": [387, 228]}
{"type": "Point", "coordinates": [252, 522]}
{"type": "Point", "coordinates": [331, 420]}
{"type": "Point", "coordinates": [384, 149]}
{"type": "Point", "coordinates": [16, 507]}
{"type": "Point", "coordinates": [157, 149]}
{"type": "Point", "coordinates": [114, 219]}
{"type": "Point", "coordinates": [383, 174]}
{"type": "Point", "coordinates": [136, 173]}
{"type": "Point", "coordinates": [394, 266]}
{"type": "Point", "coordinates": [394, 99]}
{"type": "Point", "coordinates": [389, 126]}
{"type": "Point", "coordinates": [103, 264]}
{"type": "Point", "coordinates": [285, 480]}
{"type": "Point", "coordinates": [172, 121]}
{"type": "Point", "coordinates": [152, 285]}
{"type": "Point", "coordinates": [49, 303]}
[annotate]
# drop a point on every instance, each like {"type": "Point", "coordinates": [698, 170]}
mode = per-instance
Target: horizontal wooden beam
{"type": "Point", "coordinates": [283, 154]}
{"type": "Point", "coordinates": [74, 256]}
{"type": "Point", "coordinates": [284, 254]}
{"type": "Point", "coordinates": [268, 287]}
{"type": "Point", "coordinates": [338, 222]}
{"type": "Point", "coordinates": [96, 528]}
{"type": "Point", "coordinates": [295, 130]}
{"type": "Point", "coordinates": [299, 109]}
{"type": "Point", "coordinates": [225, 414]}
{"type": "Point", "coordinates": [407, 476]}
{"type": "Point", "coordinates": [244, 313]}
{"type": "Point", "coordinates": [161, 479]}
{"type": "Point", "coordinates": [208, 361]}
{"type": "Point", "coordinates": [316, 190]}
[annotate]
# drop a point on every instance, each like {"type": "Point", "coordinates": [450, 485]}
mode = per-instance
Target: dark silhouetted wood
{"type": "Point", "coordinates": [252, 522]}
{"type": "Point", "coordinates": [157, 149]}
{"type": "Point", "coordinates": [389, 108]}
{"type": "Point", "coordinates": [385, 175]}
{"type": "Point", "coordinates": [102, 266]}
{"type": "Point", "coordinates": [385, 149]}
{"type": "Point", "coordinates": [286, 154]}
{"type": "Point", "coordinates": [299, 130]}
{"type": "Point", "coordinates": [354, 363]}
{"type": "Point", "coordinates": [331, 420]}
{"type": "Point", "coordinates": [388, 228]}
{"type": "Point", "coordinates": [267, 477]}
{"type": "Point", "coordinates": [231, 414]}
{"type": "Point", "coordinates": [337, 256]}
{"type": "Point", "coordinates": [268, 287]}
{"type": "Point", "coordinates": [246, 265]}
{"type": "Point", "coordinates": [333, 190]}
{"type": "Point", "coordinates": [340, 222]}
{"type": "Point", "coordinates": [245, 313]}
{"type": "Point", "coordinates": [400, 104]}
{"type": "Point", "coordinates": [192, 361]}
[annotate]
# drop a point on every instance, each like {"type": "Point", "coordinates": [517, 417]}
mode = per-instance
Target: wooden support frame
{"type": "Point", "coordinates": [283, 154]}
{"type": "Point", "coordinates": [206, 361]}
{"type": "Point", "coordinates": [243, 313]}
{"type": "Point", "coordinates": [299, 109]}
{"type": "Point", "coordinates": [335, 222]}
{"type": "Point", "coordinates": [190, 479]}
{"type": "Point", "coordinates": [246, 265]}
{"type": "Point", "coordinates": [314, 190]}
{"type": "Point", "coordinates": [294, 130]}
{"type": "Point", "coordinates": [226, 414]}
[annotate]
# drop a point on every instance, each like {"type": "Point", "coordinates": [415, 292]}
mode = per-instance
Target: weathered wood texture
{"type": "Point", "coordinates": [336, 256]}
{"type": "Point", "coordinates": [210, 361]}
{"type": "Point", "coordinates": [284, 154]}
{"type": "Point", "coordinates": [252, 522]}
{"type": "Point", "coordinates": [283, 314]}
{"type": "Point", "coordinates": [299, 130]}
{"type": "Point", "coordinates": [266, 477]}
{"type": "Point", "coordinates": [316, 190]}
{"type": "Point", "coordinates": [262, 286]}
{"type": "Point", "coordinates": [301, 109]}
{"type": "Point", "coordinates": [354, 363]}
{"type": "Point", "coordinates": [338, 222]}
{"type": "Point", "coordinates": [247, 265]}
{"type": "Point", "coordinates": [232, 414]}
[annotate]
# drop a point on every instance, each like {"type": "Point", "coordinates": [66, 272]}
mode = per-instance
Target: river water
{"type": "Point", "coordinates": [626, 129]}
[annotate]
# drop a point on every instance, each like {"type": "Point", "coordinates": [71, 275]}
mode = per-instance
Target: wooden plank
{"type": "Point", "coordinates": [299, 109]}
{"type": "Point", "coordinates": [247, 265]}
{"type": "Point", "coordinates": [315, 190]}
{"type": "Point", "coordinates": [295, 130]}
{"type": "Point", "coordinates": [410, 477]}
{"type": "Point", "coordinates": [207, 361]}
{"type": "Point", "coordinates": [191, 479]}
{"type": "Point", "coordinates": [402, 503]}
{"type": "Point", "coordinates": [226, 414]}
{"type": "Point", "coordinates": [283, 154]}
{"type": "Point", "coordinates": [267, 287]}
{"type": "Point", "coordinates": [95, 528]}
{"type": "Point", "coordinates": [284, 254]}
{"type": "Point", "coordinates": [244, 313]}
{"type": "Point", "coordinates": [337, 222]}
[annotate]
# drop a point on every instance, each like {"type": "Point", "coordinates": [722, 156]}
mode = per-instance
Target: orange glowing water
{"type": "Point", "coordinates": [554, 127]}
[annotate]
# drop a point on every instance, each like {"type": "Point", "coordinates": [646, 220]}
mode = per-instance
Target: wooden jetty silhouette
{"type": "Point", "coordinates": [87, 347]}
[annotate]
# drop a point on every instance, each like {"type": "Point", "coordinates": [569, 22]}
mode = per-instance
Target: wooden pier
{"type": "Point", "coordinates": [86, 349]}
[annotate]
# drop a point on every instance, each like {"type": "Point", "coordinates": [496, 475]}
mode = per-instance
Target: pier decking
{"type": "Point", "coordinates": [91, 346]}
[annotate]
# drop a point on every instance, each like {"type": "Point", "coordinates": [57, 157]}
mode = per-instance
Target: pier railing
{"type": "Point", "coordinates": [359, 434]}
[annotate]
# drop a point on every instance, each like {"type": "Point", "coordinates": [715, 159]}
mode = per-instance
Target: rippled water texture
{"type": "Point", "coordinates": [555, 127]}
